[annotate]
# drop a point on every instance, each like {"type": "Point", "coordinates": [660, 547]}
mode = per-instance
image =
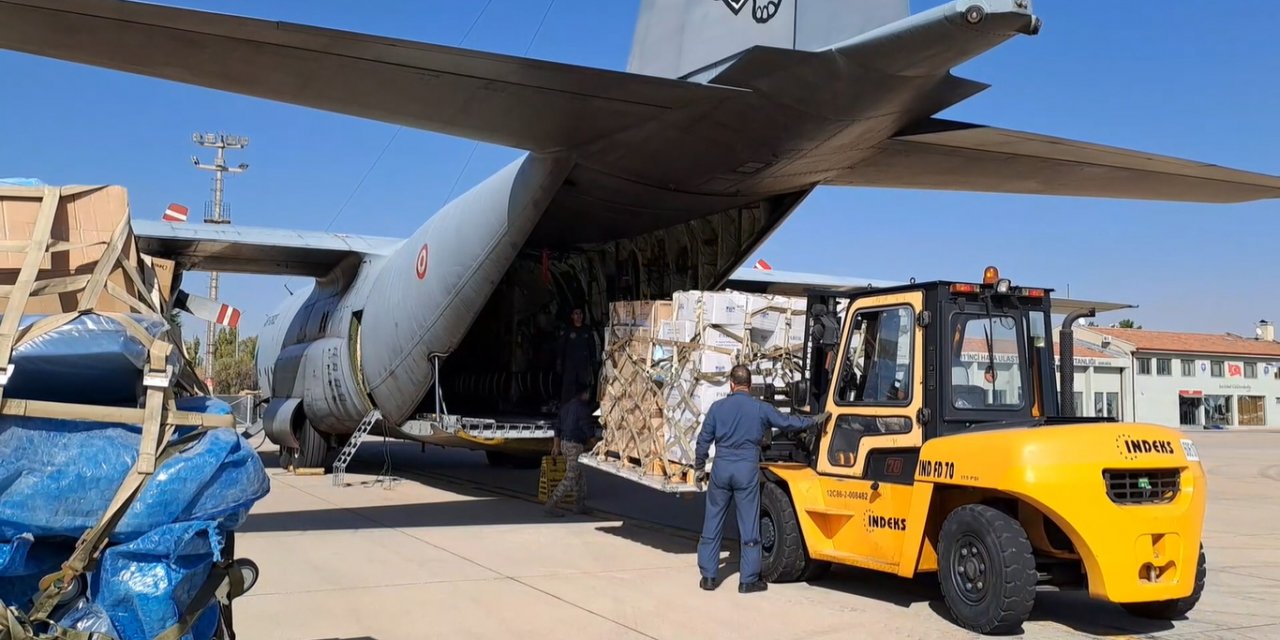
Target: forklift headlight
{"type": "Point", "coordinates": [1003, 286]}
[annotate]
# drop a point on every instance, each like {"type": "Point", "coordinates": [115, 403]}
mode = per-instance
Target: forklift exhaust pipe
{"type": "Point", "coordinates": [1067, 353]}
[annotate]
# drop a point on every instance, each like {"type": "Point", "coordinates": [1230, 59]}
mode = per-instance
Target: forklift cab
{"type": "Point", "coordinates": [923, 360]}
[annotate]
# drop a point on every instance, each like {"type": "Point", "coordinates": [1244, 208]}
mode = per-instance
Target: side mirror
{"type": "Point", "coordinates": [800, 394]}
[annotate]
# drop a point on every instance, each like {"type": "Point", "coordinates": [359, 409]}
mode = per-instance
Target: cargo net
{"type": "Point", "coordinates": [667, 362]}
{"type": "Point", "coordinates": [115, 451]}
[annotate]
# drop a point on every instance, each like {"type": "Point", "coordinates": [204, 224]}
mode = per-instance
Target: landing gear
{"type": "Point", "coordinates": [783, 554]}
{"type": "Point", "coordinates": [313, 447]}
{"type": "Point", "coordinates": [986, 570]}
{"type": "Point", "coordinates": [1172, 609]}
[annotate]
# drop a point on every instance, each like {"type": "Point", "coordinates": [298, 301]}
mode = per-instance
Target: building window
{"type": "Point", "coordinates": [1144, 366]}
{"type": "Point", "coordinates": [1189, 411]}
{"type": "Point", "coordinates": [1106, 405]}
{"type": "Point", "coordinates": [1189, 368]}
{"type": "Point", "coordinates": [1253, 411]}
{"type": "Point", "coordinates": [1080, 402]}
{"type": "Point", "coordinates": [1250, 371]}
{"type": "Point", "coordinates": [1215, 368]}
{"type": "Point", "coordinates": [1164, 367]}
{"type": "Point", "coordinates": [1219, 410]}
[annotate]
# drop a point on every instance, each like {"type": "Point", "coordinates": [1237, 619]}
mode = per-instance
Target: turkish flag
{"type": "Point", "coordinates": [1235, 370]}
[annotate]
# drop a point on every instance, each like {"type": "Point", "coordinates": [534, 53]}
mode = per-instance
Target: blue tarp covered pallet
{"type": "Point", "coordinates": [60, 477]}
{"type": "Point", "coordinates": [120, 487]}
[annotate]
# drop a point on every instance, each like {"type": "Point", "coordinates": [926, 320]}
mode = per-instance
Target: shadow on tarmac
{"type": "Point", "coordinates": [664, 541]}
{"type": "Point", "coordinates": [1078, 612]}
{"type": "Point", "coordinates": [864, 583]}
{"type": "Point", "coordinates": [667, 523]}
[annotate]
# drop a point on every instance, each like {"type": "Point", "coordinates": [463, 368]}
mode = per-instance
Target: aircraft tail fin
{"type": "Point", "coordinates": [689, 38]}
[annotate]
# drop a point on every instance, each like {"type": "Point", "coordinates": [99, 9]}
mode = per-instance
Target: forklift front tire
{"type": "Point", "coordinates": [986, 570]}
{"type": "Point", "coordinates": [784, 556]}
{"type": "Point", "coordinates": [1172, 609]}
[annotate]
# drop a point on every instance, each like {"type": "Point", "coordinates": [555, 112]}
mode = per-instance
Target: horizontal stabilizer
{"type": "Point", "coordinates": [957, 156]}
{"type": "Point", "coordinates": [207, 310]}
{"type": "Point", "coordinates": [506, 100]}
{"type": "Point", "coordinates": [257, 250]}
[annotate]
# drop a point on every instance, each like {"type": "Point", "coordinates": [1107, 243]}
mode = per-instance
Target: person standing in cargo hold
{"type": "Point", "coordinates": [573, 431]}
{"type": "Point", "coordinates": [738, 426]}
{"type": "Point", "coordinates": [576, 356]}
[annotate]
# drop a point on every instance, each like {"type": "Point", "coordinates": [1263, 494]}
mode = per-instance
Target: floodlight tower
{"type": "Point", "coordinates": [215, 214]}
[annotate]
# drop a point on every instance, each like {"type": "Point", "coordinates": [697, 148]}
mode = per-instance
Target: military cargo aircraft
{"type": "Point", "coordinates": [634, 183]}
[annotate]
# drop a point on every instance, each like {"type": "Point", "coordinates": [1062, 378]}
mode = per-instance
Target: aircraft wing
{"type": "Point", "coordinates": [789, 283]}
{"type": "Point", "coordinates": [516, 102]}
{"type": "Point", "coordinates": [958, 156]}
{"type": "Point", "coordinates": [257, 250]}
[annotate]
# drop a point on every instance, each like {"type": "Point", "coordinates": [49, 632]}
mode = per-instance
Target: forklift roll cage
{"type": "Point", "coordinates": [929, 405]}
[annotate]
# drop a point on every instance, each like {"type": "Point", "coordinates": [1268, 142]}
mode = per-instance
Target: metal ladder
{"type": "Point", "coordinates": [349, 450]}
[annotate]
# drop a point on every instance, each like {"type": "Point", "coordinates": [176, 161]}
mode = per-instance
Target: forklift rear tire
{"type": "Point", "coordinates": [986, 570]}
{"type": "Point", "coordinates": [784, 557]}
{"type": "Point", "coordinates": [1172, 609]}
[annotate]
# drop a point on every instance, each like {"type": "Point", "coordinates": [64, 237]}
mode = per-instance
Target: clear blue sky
{"type": "Point", "coordinates": [1190, 80]}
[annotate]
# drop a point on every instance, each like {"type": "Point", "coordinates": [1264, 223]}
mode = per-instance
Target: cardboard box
{"type": "Point", "coordinates": [678, 330]}
{"type": "Point", "coordinates": [725, 308]}
{"type": "Point", "coordinates": [715, 362]}
{"type": "Point", "coordinates": [723, 337]}
{"type": "Point", "coordinates": [661, 311]}
{"type": "Point", "coordinates": [85, 216]}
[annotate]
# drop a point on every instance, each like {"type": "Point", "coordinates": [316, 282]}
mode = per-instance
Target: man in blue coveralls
{"type": "Point", "coordinates": [739, 425]}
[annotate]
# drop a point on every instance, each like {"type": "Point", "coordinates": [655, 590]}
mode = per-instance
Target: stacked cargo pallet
{"type": "Point", "coordinates": [667, 362]}
{"type": "Point", "coordinates": [126, 465]}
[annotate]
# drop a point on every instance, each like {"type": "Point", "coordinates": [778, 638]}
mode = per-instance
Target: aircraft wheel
{"type": "Point", "coordinates": [313, 448]}
{"type": "Point", "coordinates": [986, 570]}
{"type": "Point", "coordinates": [784, 557]}
{"type": "Point", "coordinates": [1172, 609]}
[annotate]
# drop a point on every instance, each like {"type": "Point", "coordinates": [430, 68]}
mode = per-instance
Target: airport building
{"type": "Point", "coordinates": [1188, 380]}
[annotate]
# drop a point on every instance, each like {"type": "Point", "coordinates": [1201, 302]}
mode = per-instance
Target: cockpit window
{"type": "Point", "coordinates": [986, 364]}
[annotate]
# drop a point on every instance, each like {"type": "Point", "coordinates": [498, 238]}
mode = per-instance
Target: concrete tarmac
{"type": "Point", "coordinates": [457, 549]}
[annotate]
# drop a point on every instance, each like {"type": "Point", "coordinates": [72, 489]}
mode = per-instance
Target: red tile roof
{"type": "Point", "coordinates": [1197, 343]}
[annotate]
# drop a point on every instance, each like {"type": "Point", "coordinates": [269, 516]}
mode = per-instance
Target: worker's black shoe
{"type": "Point", "coordinates": [753, 587]}
{"type": "Point", "coordinates": [708, 584]}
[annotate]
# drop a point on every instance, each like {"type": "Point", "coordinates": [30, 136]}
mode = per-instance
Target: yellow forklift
{"type": "Point", "coordinates": [949, 451]}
